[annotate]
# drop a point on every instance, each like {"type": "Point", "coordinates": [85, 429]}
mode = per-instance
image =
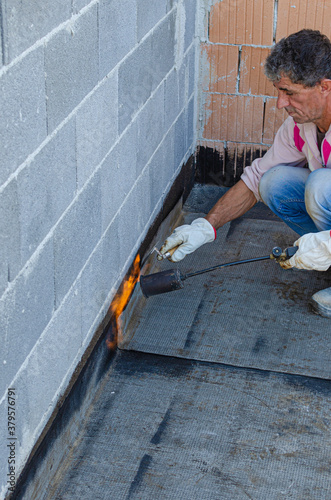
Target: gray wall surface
{"type": "Point", "coordinates": [98, 107]}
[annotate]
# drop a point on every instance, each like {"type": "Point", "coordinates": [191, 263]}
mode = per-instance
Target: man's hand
{"type": "Point", "coordinates": [189, 237]}
{"type": "Point", "coordinates": [236, 202]}
{"type": "Point", "coordinates": [314, 252]}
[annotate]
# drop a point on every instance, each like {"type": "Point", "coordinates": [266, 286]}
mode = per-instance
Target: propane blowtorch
{"type": "Point", "coordinates": [172, 279]}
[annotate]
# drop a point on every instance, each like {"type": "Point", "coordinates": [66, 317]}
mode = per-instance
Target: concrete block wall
{"type": "Point", "coordinates": [238, 118]}
{"type": "Point", "coordinates": [97, 104]}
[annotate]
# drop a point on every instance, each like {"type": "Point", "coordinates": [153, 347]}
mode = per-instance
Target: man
{"type": "Point", "coordinates": [294, 176]}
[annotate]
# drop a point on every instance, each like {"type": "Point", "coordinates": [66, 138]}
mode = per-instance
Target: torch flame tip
{"type": "Point", "coordinates": [122, 298]}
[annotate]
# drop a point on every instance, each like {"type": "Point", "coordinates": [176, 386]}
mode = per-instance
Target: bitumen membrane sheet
{"type": "Point", "coordinates": [220, 390]}
{"type": "Point", "coordinates": [166, 428]}
{"type": "Point", "coordinates": [254, 315]}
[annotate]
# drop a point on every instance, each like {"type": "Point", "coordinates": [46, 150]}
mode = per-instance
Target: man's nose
{"type": "Point", "coordinates": [282, 101]}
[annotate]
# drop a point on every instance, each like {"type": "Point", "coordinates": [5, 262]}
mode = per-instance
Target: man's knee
{"type": "Point", "coordinates": [318, 190]}
{"type": "Point", "coordinates": [271, 182]}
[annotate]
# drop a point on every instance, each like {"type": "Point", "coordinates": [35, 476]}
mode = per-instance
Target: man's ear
{"type": "Point", "coordinates": [325, 86]}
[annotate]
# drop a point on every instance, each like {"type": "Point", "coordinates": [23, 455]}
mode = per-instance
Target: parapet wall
{"type": "Point", "coordinates": [97, 118]}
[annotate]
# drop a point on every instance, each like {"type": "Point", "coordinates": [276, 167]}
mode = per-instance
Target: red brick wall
{"type": "Point", "coordinates": [238, 104]}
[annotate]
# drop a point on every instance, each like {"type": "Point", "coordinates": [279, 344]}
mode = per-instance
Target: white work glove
{"type": "Point", "coordinates": [314, 252]}
{"type": "Point", "coordinates": [189, 237]}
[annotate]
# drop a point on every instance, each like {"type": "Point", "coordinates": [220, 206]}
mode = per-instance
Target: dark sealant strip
{"type": "Point", "coordinates": [139, 477]}
{"type": "Point", "coordinates": [156, 439]}
{"type": "Point", "coordinates": [196, 320]}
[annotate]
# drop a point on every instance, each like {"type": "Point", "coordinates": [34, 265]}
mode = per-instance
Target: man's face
{"type": "Point", "coordinates": [304, 104]}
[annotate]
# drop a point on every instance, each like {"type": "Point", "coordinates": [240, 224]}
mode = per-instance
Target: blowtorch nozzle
{"type": "Point", "coordinates": [160, 256]}
{"type": "Point", "coordinates": [165, 281]}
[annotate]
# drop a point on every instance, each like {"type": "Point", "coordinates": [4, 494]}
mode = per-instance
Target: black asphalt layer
{"type": "Point", "coordinates": [219, 391]}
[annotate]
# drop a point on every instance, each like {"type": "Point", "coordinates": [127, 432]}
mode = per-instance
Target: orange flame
{"type": "Point", "coordinates": [120, 302]}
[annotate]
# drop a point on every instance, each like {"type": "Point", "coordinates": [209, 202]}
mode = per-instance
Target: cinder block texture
{"type": "Point", "coordinates": [190, 13]}
{"type": "Point", "coordinates": [171, 98]}
{"type": "Point", "coordinates": [234, 118]}
{"type": "Point", "coordinates": [50, 361]}
{"type": "Point", "coordinates": [135, 82]}
{"type": "Point", "coordinates": [220, 68]}
{"type": "Point", "coordinates": [252, 78]}
{"type": "Point", "coordinates": [191, 64]}
{"type": "Point", "coordinates": [45, 188]}
{"type": "Point", "coordinates": [150, 128]}
{"type": "Point", "coordinates": [3, 274]}
{"type": "Point", "coordinates": [163, 42]}
{"type": "Point", "coordinates": [26, 22]}
{"type": "Point", "coordinates": [23, 111]}
{"type": "Point", "coordinates": [76, 236]}
{"type": "Point", "coordinates": [178, 88]}
{"type": "Point", "coordinates": [10, 256]}
{"type": "Point", "coordinates": [96, 126]}
{"type": "Point", "coordinates": [144, 69]}
{"type": "Point", "coordinates": [296, 15]}
{"type": "Point", "coordinates": [25, 309]}
{"type": "Point", "coordinates": [191, 126]}
{"type": "Point", "coordinates": [149, 13]}
{"type": "Point", "coordinates": [71, 65]}
{"type": "Point", "coordinates": [117, 31]}
{"type": "Point", "coordinates": [170, 4]}
{"type": "Point", "coordinates": [1, 49]}
{"type": "Point", "coordinates": [142, 195]}
{"type": "Point", "coordinates": [183, 75]}
{"type": "Point", "coordinates": [4, 443]}
{"type": "Point", "coordinates": [110, 257]}
{"type": "Point", "coordinates": [161, 172]}
{"type": "Point", "coordinates": [242, 21]}
{"type": "Point", "coordinates": [77, 5]}
{"type": "Point", "coordinates": [100, 275]}
{"type": "Point", "coordinates": [180, 142]}
{"type": "Point", "coordinates": [118, 174]}
{"type": "Point", "coordinates": [97, 119]}
{"type": "Point", "coordinates": [133, 216]}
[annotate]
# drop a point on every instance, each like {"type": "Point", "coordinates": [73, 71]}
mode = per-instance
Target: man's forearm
{"type": "Point", "coordinates": [236, 202]}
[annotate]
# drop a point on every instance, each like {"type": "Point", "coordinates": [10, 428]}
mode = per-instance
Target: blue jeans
{"type": "Point", "coordinates": [301, 198]}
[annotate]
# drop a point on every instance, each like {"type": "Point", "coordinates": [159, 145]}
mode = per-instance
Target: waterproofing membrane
{"type": "Point", "coordinates": [170, 427]}
{"type": "Point", "coordinates": [166, 428]}
{"type": "Point", "coordinates": [253, 315]}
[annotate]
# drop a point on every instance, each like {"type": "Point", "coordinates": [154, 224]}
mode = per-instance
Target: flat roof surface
{"type": "Point", "coordinates": [220, 390]}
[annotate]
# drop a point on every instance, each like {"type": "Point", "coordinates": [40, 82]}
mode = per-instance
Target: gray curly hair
{"type": "Point", "coordinates": [304, 57]}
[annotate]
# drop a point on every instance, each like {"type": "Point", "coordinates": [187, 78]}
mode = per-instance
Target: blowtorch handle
{"type": "Point", "coordinates": [220, 266]}
{"type": "Point", "coordinates": [168, 254]}
{"type": "Point", "coordinates": [290, 251]}
{"type": "Point", "coordinates": [276, 254]}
